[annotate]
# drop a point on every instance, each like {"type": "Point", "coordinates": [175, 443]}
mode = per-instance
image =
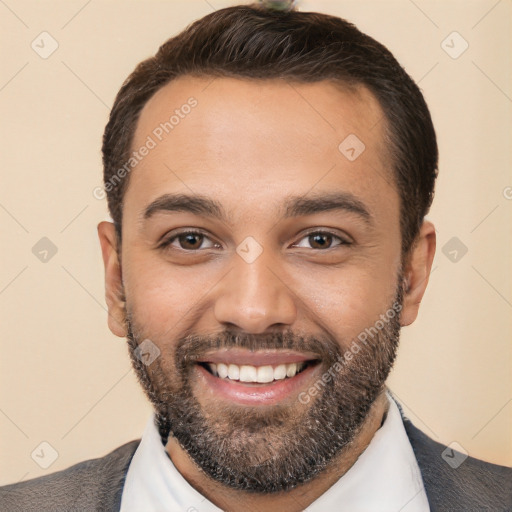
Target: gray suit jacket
{"type": "Point", "coordinates": [97, 485]}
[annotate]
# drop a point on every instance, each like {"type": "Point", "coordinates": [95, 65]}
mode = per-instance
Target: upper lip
{"type": "Point", "coordinates": [259, 358]}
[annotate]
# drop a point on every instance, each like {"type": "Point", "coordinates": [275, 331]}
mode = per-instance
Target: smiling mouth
{"type": "Point", "coordinates": [250, 374]}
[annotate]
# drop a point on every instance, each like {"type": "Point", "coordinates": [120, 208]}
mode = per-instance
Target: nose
{"type": "Point", "coordinates": [253, 298]}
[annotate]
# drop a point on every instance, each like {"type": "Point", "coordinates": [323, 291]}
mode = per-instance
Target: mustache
{"type": "Point", "coordinates": [191, 348]}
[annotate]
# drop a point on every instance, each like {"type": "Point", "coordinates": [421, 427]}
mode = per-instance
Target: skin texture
{"type": "Point", "coordinates": [251, 146]}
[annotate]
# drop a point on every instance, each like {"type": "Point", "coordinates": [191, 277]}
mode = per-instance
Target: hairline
{"type": "Point", "coordinates": [350, 86]}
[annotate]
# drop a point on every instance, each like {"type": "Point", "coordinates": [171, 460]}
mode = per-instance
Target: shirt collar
{"type": "Point", "coordinates": [385, 477]}
{"type": "Point", "coordinates": [153, 483]}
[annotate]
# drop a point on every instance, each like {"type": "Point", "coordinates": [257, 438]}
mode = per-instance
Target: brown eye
{"type": "Point", "coordinates": [320, 240]}
{"type": "Point", "coordinates": [190, 241]}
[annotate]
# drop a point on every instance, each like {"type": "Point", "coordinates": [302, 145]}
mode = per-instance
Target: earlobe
{"type": "Point", "coordinates": [114, 293]}
{"type": "Point", "coordinates": [417, 272]}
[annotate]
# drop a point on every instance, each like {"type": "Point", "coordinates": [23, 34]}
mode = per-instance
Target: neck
{"type": "Point", "coordinates": [294, 500]}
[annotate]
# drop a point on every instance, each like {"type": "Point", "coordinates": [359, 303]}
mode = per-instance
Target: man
{"type": "Point", "coordinates": [268, 173]}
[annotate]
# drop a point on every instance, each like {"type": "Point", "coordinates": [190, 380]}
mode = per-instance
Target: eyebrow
{"type": "Point", "coordinates": [294, 206]}
{"type": "Point", "coordinates": [198, 204]}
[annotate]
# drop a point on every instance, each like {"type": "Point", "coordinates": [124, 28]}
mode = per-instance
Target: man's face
{"type": "Point", "coordinates": [253, 245]}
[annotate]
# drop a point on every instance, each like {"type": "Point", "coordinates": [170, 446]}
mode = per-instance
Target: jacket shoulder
{"type": "Point", "coordinates": [471, 485]}
{"type": "Point", "coordinates": [94, 484]}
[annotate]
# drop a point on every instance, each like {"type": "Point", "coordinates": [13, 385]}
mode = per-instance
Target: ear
{"type": "Point", "coordinates": [114, 293]}
{"type": "Point", "coordinates": [417, 272]}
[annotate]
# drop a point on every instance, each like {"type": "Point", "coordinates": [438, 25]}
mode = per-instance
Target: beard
{"type": "Point", "coordinates": [268, 449]}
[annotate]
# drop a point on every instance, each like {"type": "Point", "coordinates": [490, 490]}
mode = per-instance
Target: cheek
{"type": "Point", "coordinates": [347, 301]}
{"type": "Point", "coordinates": [161, 296]}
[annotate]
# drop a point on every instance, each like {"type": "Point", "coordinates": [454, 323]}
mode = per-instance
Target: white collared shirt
{"type": "Point", "coordinates": [385, 478]}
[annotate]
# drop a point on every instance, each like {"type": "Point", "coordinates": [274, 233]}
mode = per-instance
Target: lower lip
{"type": "Point", "coordinates": [257, 394]}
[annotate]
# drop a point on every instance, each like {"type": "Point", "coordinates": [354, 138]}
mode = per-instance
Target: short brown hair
{"type": "Point", "coordinates": [254, 42]}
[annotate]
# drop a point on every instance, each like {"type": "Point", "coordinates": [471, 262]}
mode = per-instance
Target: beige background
{"type": "Point", "coordinates": [65, 379]}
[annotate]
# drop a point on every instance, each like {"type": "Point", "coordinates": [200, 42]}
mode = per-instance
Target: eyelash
{"type": "Point", "coordinates": [168, 241]}
{"type": "Point", "coordinates": [341, 240]}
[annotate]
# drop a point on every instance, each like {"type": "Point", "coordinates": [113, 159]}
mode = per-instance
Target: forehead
{"type": "Point", "coordinates": [257, 138]}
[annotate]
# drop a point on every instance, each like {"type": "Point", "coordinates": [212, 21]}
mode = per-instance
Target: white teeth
{"type": "Point", "coordinates": [222, 370]}
{"type": "Point", "coordinates": [261, 374]}
{"type": "Point", "coordinates": [280, 372]}
{"type": "Point", "coordinates": [265, 374]}
{"type": "Point", "coordinates": [233, 372]}
{"type": "Point", "coordinates": [291, 370]}
{"type": "Point", "coordinates": [248, 373]}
